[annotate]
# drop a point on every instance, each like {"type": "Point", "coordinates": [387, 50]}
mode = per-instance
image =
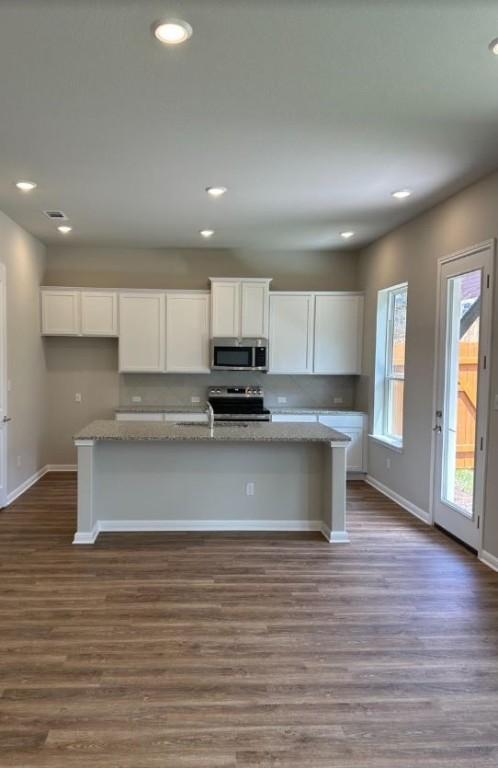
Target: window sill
{"type": "Point", "coordinates": [394, 445]}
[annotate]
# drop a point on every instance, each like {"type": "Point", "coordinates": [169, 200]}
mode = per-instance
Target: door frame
{"type": "Point", "coordinates": [3, 382]}
{"type": "Point", "coordinates": [487, 325]}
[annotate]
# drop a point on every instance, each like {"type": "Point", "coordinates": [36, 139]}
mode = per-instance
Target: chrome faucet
{"type": "Point", "coordinates": [210, 413]}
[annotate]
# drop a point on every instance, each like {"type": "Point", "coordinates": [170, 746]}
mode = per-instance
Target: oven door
{"type": "Point", "coordinates": [232, 358]}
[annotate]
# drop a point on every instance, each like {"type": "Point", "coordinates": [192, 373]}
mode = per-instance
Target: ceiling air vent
{"type": "Point", "coordinates": [59, 215]}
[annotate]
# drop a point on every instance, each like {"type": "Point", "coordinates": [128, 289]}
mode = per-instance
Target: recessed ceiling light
{"type": "Point", "coordinates": [493, 46]}
{"type": "Point", "coordinates": [64, 229]}
{"type": "Point", "coordinates": [347, 235]}
{"type": "Point", "coordinates": [26, 186]}
{"type": "Point", "coordinates": [172, 32]}
{"type": "Point", "coordinates": [401, 194]}
{"type": "Point", "coordinates": [216, 191]}
{"type": "Point", "coordinates": [207, 233]}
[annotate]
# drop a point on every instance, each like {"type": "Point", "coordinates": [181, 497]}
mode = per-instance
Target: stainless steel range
{"type": "Point", "coordinates": [238, 404]}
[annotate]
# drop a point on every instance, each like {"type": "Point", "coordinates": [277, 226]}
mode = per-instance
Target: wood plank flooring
{"type": "Point", "coordinates": [243, 650]}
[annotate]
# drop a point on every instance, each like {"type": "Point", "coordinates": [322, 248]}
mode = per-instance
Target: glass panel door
{"type": "Point", "coordinates": [462, 394]}
{"type": "Point", "coordinates": [462, 371]}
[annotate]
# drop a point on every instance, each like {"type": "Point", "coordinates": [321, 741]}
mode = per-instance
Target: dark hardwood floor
{"type": "Point", "coordinates": [213, 651]}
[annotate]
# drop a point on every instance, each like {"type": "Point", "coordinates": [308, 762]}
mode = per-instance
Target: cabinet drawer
{"type": "Point", "coordinates": [179, 418]}
{"type": "Point", "coordinates": [139, 417]}
{"type": "Point", "coordinates": [293, 417]}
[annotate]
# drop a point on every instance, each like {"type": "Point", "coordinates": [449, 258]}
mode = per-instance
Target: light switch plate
{"type": "Point", "coordinates": [195, 399]}
{"type": "Point", "coordinates": [337, 400]}
{"type": "Point", "coordinates": [281, 400]}
{"type": "Point", "coordinates": [77, 397]}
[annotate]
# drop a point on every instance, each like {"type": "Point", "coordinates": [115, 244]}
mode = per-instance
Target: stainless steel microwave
{"type": "Point", "coordinates": [231, 354]}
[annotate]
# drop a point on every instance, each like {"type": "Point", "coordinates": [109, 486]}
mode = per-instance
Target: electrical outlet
{"type": "Point", "coordinates": [388, 463]}
{"type": "Point", "coordinates": [195, 399]}
{"type": "Point", "coordinates": [338, 400]}
{"type": "Point", "coordinates": [249, 489]}
{"type": "Point", "coordinates": [19, 461]}
{"type": "Point", "coordinates": [77, 397]}
{"type": "Point", "coordinates": [496, 402]}
{"type": "Point", "coordinates": [136, 399]}
{"type": "Point", "coordinates": [281, 400]}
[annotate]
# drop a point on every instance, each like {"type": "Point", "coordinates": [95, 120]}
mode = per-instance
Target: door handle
{"type": "Point", "coordinates": [437, 428]}
{"type": "Point", "coordinates": [6, 419]}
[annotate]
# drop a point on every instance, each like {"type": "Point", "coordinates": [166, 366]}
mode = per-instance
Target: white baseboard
{"type": "Point", "coordinates": [488, 559]}
{"type": "Point", "coordinates": [26, 485]}
{"type": "Point", "coordinates": [87, 538]}
{"type": "Point", "coordinates": [61, 468]}
{"type": "Point", "coordinates": [412, 508]}
{"type": "Point", "coordinates": [189, 526]}
{"type": "Point", "coordinates": [334, 537]}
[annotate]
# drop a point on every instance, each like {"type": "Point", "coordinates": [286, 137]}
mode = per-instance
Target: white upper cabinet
{"type": "Point", "coordinates": [99, 313]}
{"type": "Point", "coordinates": [239, 307]}
{"type": "Point", "coordinates": [142, 327]}
{"type": "Point", "coordinates": [254, 308]}
{"type": "Point", "coordinates": [338, 333]}
{"type": "Point", "coordinates": [225, 308]}
{"type": "Point", "coordinates": [60, 312]}
{"type": "Point", "coordinates": [187, 333]}
{"type": "Point", "coordinates": [291, 332]}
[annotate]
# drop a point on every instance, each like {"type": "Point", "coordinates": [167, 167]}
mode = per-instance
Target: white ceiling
{"type": "Point", "coordinates": [311, 111]}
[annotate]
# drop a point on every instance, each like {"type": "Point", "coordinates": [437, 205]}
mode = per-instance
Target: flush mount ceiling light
{"type": "Point", "coordinates": [216, 191]}
{"type": "Point", "coordinates": [493, 46]}
{"type": "Point", "coordinates": [64, 229]}
{"type": "Point", "coordinates": [172, 31]}
{"type": "Point", "coordinates": [347, 235]}
{"type": "Point", "coordinates": [401, 194]}
{"type": "Point", "coordinates": [207, 233]}
{"type": "Point", "coordinates": [26, 186]}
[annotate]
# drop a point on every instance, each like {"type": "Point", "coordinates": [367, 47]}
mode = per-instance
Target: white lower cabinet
{"type": "Point", "coordinates": [187, 333]}
{"type": "Point", "coordinates": [142, 332]}
{"type": "Point", "coordinates": [354, 426]}
{"type": "Point", "coordinates": [134, 416]}
{"type": "Point", "coordinates": [293, 418]}
{"type": "Point", "coordinates": [176, 417]}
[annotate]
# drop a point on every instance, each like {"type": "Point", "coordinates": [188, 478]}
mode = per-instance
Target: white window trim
{"type": "Point", "coordinates": [383, 375]}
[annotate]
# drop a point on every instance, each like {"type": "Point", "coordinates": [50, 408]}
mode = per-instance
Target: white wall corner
{"type": "Point", "coordinates": [418, 512]}
{"type": "Point", "coordinates": [488, 559]}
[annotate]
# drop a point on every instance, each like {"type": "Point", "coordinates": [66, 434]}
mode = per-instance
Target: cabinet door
{"type": "Point", "coordinates": [134, 416]}
{"type": "Point", "coordinates": [355, 452]}
{"type": "Point", "coordinates": [99, 313]}
{"type": "Point", "coordinates": [187, 333]}
{"type": "Point", "coordinates": [60, 313]}
{"type": "Point", "coordinates": [254, 313]}
{"type": "Point", "coordinates": [225, 308]}
{"type": "Point", "coordinates": [141, 332]}
{"type": "Point", "coordinates": [291, 333]}
{"type": "Point", "coordinates": [338, 334]}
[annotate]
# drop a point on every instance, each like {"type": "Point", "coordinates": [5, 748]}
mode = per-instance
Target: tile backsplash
{"type": "Point", "coordinates": [300, 391]}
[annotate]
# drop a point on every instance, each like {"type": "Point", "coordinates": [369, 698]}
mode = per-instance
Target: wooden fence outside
{"type": "Point", "coordinates": [467, 401]}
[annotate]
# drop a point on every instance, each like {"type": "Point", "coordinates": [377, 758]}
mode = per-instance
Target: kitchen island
{"type": "Point", "coordinates": [147, 476]}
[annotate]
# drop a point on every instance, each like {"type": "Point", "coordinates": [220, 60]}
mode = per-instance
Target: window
{"type": "Point", "coordinates": [390, 365]}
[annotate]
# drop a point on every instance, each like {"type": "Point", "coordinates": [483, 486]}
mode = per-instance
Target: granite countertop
{"type": "Point", "coordinates": [255, 432]}
{"type": "Point", "coordinates": [325, 411]}
{"type": "Point", "coordinates": [134, 408]}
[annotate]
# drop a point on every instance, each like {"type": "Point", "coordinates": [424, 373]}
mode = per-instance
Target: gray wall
{"type": "Point", "coordinates": [24, 258]}
{"type": "Point", "coordinates": [89, 366]}
{"type": "Point", "coordinates": [410, 253]}
{"type": "Point", "coordinates": [168, 268]}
